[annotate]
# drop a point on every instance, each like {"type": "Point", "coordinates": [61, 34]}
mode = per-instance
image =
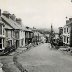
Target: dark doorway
{"type": "Point", "coordinates": [17, 43]}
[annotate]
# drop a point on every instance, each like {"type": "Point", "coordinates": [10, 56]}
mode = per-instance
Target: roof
{"type": "Point", "coordinates": [27, 29]}
{"type": "Point", "coordinates": [69, 23]}
{"type": "Point", "coordinates": [15, 25]}
{"type": "Point", "coordinates": [65, 26]}
{"type": "Point", "coordinates": [34, 29]}
{"type": "Point", "coordinates": [60, 27]}
{"type": "Point", "coordinates": [2, 23]}
{"type": "Point", "coordinates": [11, 22]}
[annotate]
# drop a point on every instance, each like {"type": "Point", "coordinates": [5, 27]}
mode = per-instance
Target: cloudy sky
{"type": "Point", "coordinates": [39, 13]}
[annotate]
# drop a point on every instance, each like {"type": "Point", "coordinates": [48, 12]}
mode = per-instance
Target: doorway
{"type": "Point", "coordinates": [17, 43]}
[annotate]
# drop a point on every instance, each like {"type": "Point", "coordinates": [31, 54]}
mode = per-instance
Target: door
{"type": "Point", "coordinates": [17, 43]}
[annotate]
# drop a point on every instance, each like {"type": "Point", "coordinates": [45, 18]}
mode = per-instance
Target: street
{"type": "Point", "coordinates": [43, 59]}
{"type": "Point", "coordinates": [38, 59]}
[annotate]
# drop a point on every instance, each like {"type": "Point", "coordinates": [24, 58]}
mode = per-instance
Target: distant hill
{"type": "Point", "coordinates": [44, 31]}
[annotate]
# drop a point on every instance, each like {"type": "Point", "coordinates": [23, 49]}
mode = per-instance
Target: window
{"type": "Point", "coordinates": [1, 29]}
{"type": "Point", "coordinates": [22, 41]}
{"type": "Point", "coordinates": [0, 43]}
{"type": "Point", "coordinates": [6, 33]}
{"type": "Point", "coordinates": [9, 43]}
{"type": "Point", "coordinates": [0, 40]}
{"type": "Point", "coordinates": [11, 33]}
{"type": "Point", "coordinates": [64, 30]}
{"type": "Point", "coordinates": [27, 34]}
{"type": "Point", "coordinates": [67, 30]}
{"type": "Point", "coordinates": [17, 35]}
{"type": "Point", "coordinates": [67, 39]}
{"type": "Point", "coordinates": [64, 38]}
{"type": "Point", "coordinates": [3, 42]}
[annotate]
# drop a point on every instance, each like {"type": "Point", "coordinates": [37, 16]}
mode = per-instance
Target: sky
{"type": "Point", "coordinates": [39, 13]}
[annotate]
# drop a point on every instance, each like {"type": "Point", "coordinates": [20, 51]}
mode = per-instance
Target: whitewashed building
{"type": "Point", "coordinates": [67, 32]}
{"type": "Point", "coordinates": [14, 32]}
{"type": "Point", "coordinates": [2, 35]}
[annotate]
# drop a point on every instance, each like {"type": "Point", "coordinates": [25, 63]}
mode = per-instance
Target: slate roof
{"type": "Point", "coordinates": [14, 24]}
{"type": "Point", "coordinates": [11, 22]}
{"type": "Point", "coordinates": [26, 29]}
{"type": "Point", "coordinates": [1, 23]}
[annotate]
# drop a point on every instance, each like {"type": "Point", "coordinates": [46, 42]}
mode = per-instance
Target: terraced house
{"type": "Point", "coordinates": [14, 32]}
{"type": "Point", "coordinates": [37, 36]}
{"type": "Point", "coordinates": [28, 35]}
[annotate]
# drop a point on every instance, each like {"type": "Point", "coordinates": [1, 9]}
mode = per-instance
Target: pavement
{"type": "Point", "coordinates": [8, 63]}
{"type": "Point", "coordinates": [44, 59]}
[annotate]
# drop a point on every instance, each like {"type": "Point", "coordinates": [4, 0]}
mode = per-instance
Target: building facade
{"type": "Point", "coordinates": [14, 32]}
{"type": "Point", "coordinates": [67, 32]}
{"type": "Point", "coordinates": [28, 35]}
{"type": "Point", "coordinates": [2, 35]}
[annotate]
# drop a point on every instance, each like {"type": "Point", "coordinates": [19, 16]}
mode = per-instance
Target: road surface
{"type": "Point", "coordinates": [43, 59]}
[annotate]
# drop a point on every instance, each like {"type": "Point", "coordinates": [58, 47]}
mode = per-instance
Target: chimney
{"type": "Point", "coordinates": [67, 21]}
{"type": "Point", "coordinates": [13, 17]}
{"type": "Point", "coordinates": [27, 27]}
{"type": "Point", "coordinates": [6, 13]}
{"type": "Point", "coordinates": [70, 19]}
{"type": "Point", "coordinates": [18, 20]}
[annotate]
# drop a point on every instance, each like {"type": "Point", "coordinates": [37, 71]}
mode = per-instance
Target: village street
{"type": "Point", "coordinates": [38, 59]}
{"type": "Point", "coordinates": [43, 59]}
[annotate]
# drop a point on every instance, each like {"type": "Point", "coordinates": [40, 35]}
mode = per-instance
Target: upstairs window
{"type": "Point", "coordinates": [0, 40]}
{"type": "Point", "coordinates": [64, 38]}
{"type": "Point", "coordinates": [17, 35]}
{"type": "Point", "coordinates": [67, 30]}
{"type": "Point", "coordinates": [67, 39]}
{"type": "Point", "coordinates": [0, 43]}
{"type": "Point", "coordinates": [6, 33]}
{"type": "Point", "coordinates": [22, 41]}
{"type": "Point", "coordinates": [3, 31]}
{"type": "Point", "coordinates": [0, 29]}
{"type": "Point", "coordinates": [64, 30]}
